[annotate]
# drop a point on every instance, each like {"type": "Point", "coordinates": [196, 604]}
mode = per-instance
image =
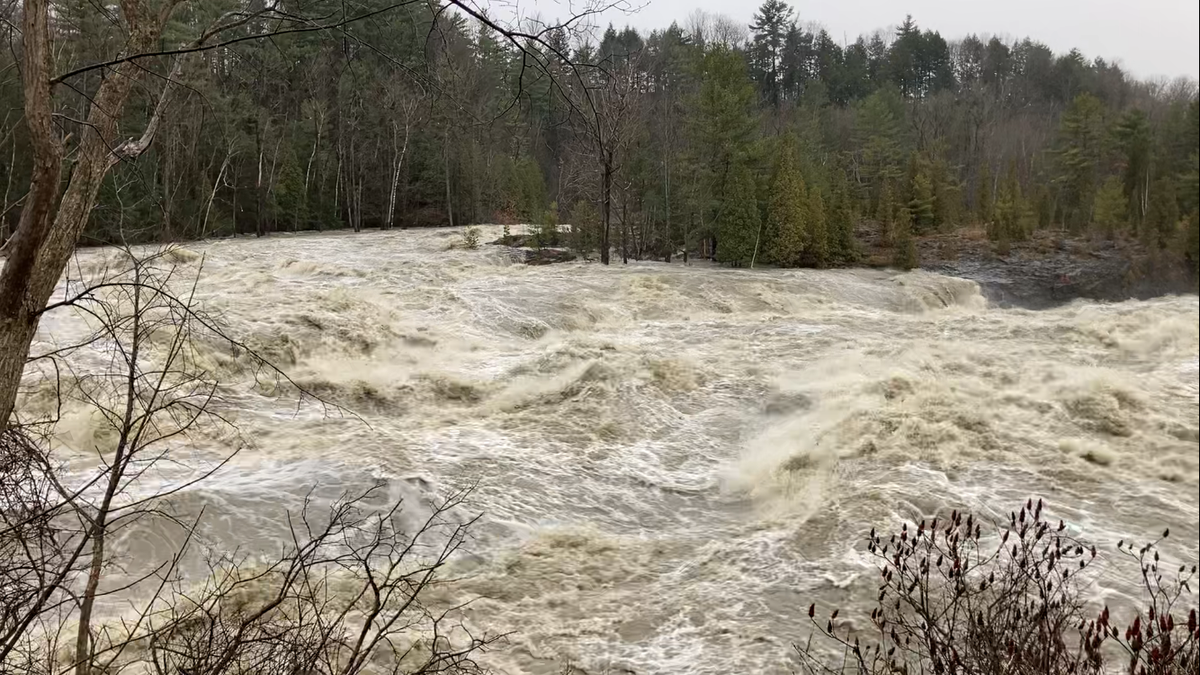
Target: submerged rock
{"type": "Point", "coordinates": [547, 256]}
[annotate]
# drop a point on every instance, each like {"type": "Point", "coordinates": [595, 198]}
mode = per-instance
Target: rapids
{"type": "Point", "coordinates": [672, 461]}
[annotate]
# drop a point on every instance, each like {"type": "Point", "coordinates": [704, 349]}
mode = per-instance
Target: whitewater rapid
{"type": "Point", "coordinates": [672, 461]}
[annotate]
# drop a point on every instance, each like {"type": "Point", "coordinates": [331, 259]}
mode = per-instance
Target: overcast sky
{"type": "Point", "coordinates": [1148, 37]}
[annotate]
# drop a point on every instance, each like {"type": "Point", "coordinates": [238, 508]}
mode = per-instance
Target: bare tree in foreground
{"type": "Point", "coordinates": [66, 179]}
{"type": "Point", "coordinates": [347, 594]}
{"type": "Point", "coordinates": [951, 602]}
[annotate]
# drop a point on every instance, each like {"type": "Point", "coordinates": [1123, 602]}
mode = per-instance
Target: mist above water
{"type": "Point", "coordinates": [674, 461]}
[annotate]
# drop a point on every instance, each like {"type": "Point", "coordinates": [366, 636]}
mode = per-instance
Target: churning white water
{"type": "Point", "coordinates": [674, 461]}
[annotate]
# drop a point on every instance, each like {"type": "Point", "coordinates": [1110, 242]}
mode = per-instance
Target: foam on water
{"type": "Point", "coordinates": [674, 461]}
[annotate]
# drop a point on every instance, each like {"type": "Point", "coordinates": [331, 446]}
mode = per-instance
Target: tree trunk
{"type": "Point", "coordinates": [687, 230]}
{"type": "Point", "coordinates": [605, 209]}
{"type": "Point", "coordinates": [260, 203]}
{"type": "Point", "coordinates": [395, 178]}
{"type": "Point", "coordinates": [337, 183]}
{"type": "Point", "coordinates": [45, 238]}
{"type": "Point", "coordinates": [318, 122]}
{"type": "Point", "coordinates": [168, 195]}
{"type": "Point", "coordinates": [397, 164]}
{"type": "Point", "coordinates": [446, 166]}
{"type": "Point", "coordinates": [213, 195]}
{"type": "Point", "coordinates": [667, 205]}
{"type": "Point", "coordinates": [757, 239]}
{"type": "Point", "coordinates": [625, 229]}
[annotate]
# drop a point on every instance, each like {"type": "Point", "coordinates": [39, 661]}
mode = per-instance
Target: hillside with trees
{"type": "Point", "coordinates": [771, 143]}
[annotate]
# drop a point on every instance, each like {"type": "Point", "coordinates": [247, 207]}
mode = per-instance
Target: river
{"type": "Point", "coordinates": [672, 461]}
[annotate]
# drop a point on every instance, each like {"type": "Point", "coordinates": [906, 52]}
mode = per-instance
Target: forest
{"type": "Point", "coordinates": [770, 142]}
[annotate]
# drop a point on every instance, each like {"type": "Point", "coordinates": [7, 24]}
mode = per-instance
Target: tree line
{"type": "Point", "coordinates": [769, 142]}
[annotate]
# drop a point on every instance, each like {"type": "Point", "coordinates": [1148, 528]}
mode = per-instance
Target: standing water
{"type": "Point", "coordinates": [672, 461]}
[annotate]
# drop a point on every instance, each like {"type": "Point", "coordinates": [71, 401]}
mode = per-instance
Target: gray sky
{"type": "Point", "coordinates": [1148, 37]}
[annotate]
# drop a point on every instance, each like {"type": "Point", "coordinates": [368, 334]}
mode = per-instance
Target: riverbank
{"type": "Point", "coordinates": [1049, 269]}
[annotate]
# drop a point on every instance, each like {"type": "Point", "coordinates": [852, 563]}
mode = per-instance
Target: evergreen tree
{"type": "Point", "coordinates": [920, 203]}
{"type": "Point", "coordinates": [1108, 213]}
{"type": "Point", "coordinates": [1008, 224]}
{"type": "Point", "coordinates": [881, 141]}
{"type": "Point", "coordinates": [906, 245]}
{"type": "Point", "coordinates": [842, 247]}
{"type": "Point", "coordinates": [786, 212]}
{"type": "Point", "coordinates": [720, 128]}
{"type": "Point", "coordinates": [889, 212]}
{"type": "Point", "coordinates": [739, 222]}
{"type": "Point", "coordinates": [816, 235]}
{"type": "Point", "coordinates": [770, 28]}
{"type": "Point", "coordinates": [1081, 136]}
{"type": "Point", "coordinates": [297, 138]}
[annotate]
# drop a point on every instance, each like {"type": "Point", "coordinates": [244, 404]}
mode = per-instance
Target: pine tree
{"type": "Point", "coordinates": [920, 204]}
{"type": "Point", "coordinates": [1108, 212]}
{"type": "Point", "coordinates": [738, 223]}
{"type": "Point", "coordinates": [842, 247]}
{"type": "Point", "coordinates": [547, 229]}
{"type": "Point", "coordinates": [888, 212]}
{"type": "Point", "coordinates": [816, 236]}
{"type": "Point", "coordinates": [1008, 224]}
{"type": "Point", "coordinates": [906, 245]}
{"type": "Point", "coordinates": [878, 132]}
{"type": "Point", "coordinates": [1081, 146]}
{"type": "Point", "coordinates": [787, 212]}
{"type": "Point", "coordinates": [770, 28]}
{"type": "Point", "coordinates": [720, 129]}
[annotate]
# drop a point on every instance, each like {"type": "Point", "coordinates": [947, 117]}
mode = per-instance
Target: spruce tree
{"type": "Point", "coordinates": [739, 219]}
{"type": "Point", "coordinates": [1008, 222]}
{"type": "Point", "coordinates": [906, 246]}
{"type": "Point", "coordinates": [816, 236]}
{"type": "Point", "coordinates": [842, 247]}
{"type": "Point", "coordinates": [1082, 145]}
{"type": "Point", "coordinates": [920, 205]}
{"type": "Point", "coordinates": [786, 213]}
{"type": "Point", "coordinates": [947, 197]}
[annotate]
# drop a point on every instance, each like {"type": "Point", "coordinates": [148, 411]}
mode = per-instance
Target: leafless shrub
{"type": "Point", "coordinates": [952, 601]}
{"type": "Point", "coordinates": [347, 596]}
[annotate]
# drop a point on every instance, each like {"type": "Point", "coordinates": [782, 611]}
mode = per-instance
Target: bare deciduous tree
{"type": "Point", "coordinates": [51, 222]}
{"type": "Point", "coordinates": [348, 591]}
